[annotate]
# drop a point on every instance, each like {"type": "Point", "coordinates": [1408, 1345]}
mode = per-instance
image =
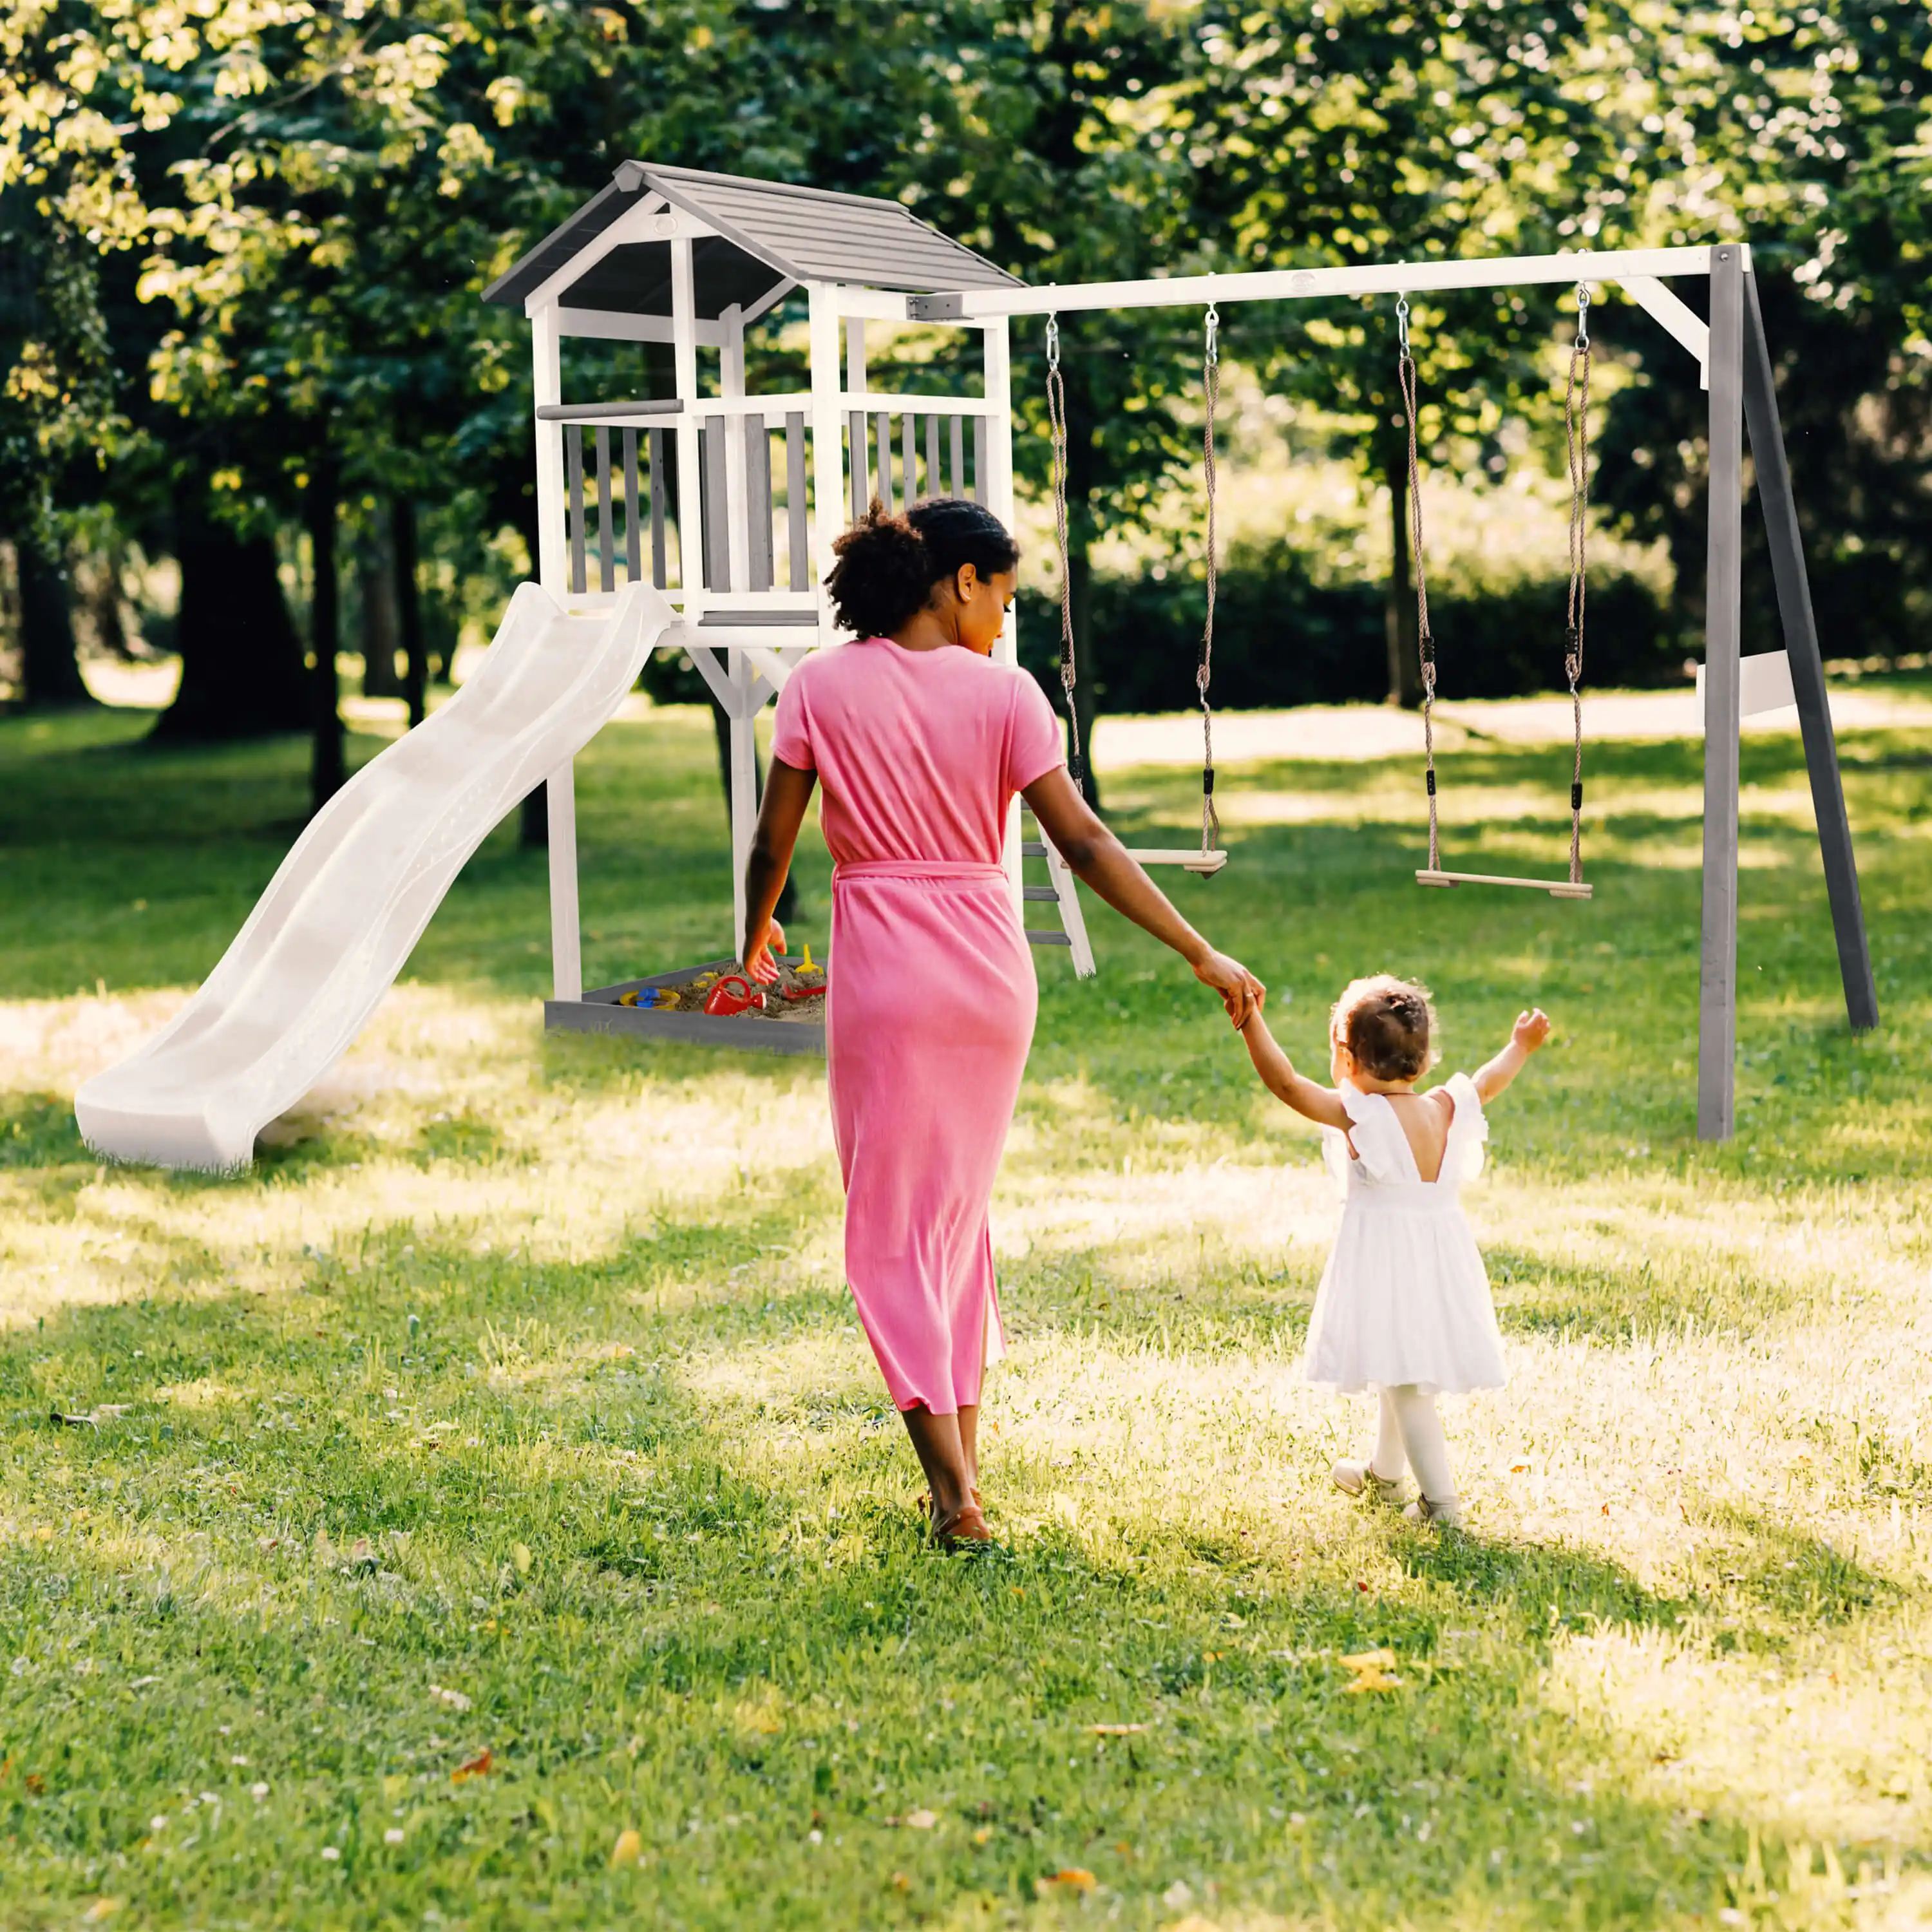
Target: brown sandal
{"type": "Point", "coordinates": [966, 1525]}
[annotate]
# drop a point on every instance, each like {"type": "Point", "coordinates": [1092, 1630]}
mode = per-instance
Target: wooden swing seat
{"type": "Point", "coordinates": [1557, 888]}
{"type": "Point", "coordinates": [1204, 864]}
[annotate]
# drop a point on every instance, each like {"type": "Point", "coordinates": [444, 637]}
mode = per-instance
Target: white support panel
{"type": "Point", "coordinates": [1678, 318]}
{"type": "Point", "coordinates": [766, 302]}
{"type": "Point", "coordinates": [717, 637]}
{"type": "Point", "coordinates": [879, 304]}
{"type": "Point", "coordinates": [690, 509]}
{"type": "Point", "coordinates": [751, 691]}
{"type": "Point", "coordinates": [715, 674]}
{"type": "Point", "coordinates": [566, 942]}
{"type": "Point", "coordinates": [775, 665]}
{"type": "Point", "coordinates": [651, 221]}
{"type": "Point", "coordinates": [551, 562]}
{"type": "Point", "coordinates": [1764, 684]}
{"type": "Point", "coordinates": [599, 325]}
{"type": "Point", "coordinates": [737, 511]}
{"type": "Point", "coordinates": [873, 400]}
{"type": "Point", "coordinates": [1301, 284]}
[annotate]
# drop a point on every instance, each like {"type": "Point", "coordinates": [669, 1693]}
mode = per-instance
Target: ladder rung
{"type": "Point", "coordinates": [1038, 892]}
{"type": "Point", "coordinates": [1032, 848]}
{"type": "Point", "coordinates": [1041, 936]}
{"type": "Point", "coordinates": [1557, 888]}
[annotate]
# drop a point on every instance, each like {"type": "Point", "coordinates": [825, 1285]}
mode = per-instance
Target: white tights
{"type": "Point", "coordinates": [1409, 1433]}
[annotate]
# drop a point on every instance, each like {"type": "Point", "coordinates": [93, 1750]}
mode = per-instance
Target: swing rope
{"type": "Point", "coordinates": [1056, 423]}
{"type": "Point", "coordinates": [1577, 431]}
{"type": "Point", "coordinates": [1210, 376]}
{"type": "Point", "coordinates": [1425, 642]}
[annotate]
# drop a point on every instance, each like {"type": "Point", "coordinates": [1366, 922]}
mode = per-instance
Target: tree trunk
{"type": "Point", "coordinates": [1405, 670]}
{"type": "Point", "coordinates": [380, 621]}
{"type": "Point", "coordinates": [409, 609]}
{"type": "Point", "coordinates": [50, 676]}
{"type": "Point", "coordinates": [721, 724]}
{"type": "Point", "coordinates": [241, 660]}
{"type": "Point", "coordinates": [326, 766]}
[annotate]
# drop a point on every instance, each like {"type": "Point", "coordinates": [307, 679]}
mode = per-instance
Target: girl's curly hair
{"type": "Point", "coordinates": [1388, 1026]}
{"type": "Point", "coordinates": [887, 564]}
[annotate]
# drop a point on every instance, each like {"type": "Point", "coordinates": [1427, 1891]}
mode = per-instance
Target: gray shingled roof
{"type": "Point", "coordinates": [768, 232]}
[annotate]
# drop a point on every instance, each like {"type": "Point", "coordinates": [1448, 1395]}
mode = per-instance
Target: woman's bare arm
{"type": "Point", "coordinates": [1321, 1104]}
{"type": "Point", "coordinates": [1100, 860]}
{"type": "Point", "coordinates": [788, 793]}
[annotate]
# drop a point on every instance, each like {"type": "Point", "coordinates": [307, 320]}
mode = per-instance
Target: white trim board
{"type": "Point", "coordinates": [1764, 684]}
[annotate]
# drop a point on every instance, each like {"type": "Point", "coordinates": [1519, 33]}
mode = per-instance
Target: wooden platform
{"type": "Point", "coordinates": [1557, 888]}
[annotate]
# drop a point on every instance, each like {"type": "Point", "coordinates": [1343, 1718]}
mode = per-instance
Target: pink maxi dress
{"type": "Point", "coordinates": [932, 995]}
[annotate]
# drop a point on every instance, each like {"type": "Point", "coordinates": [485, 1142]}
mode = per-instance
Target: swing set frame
{"type": "Point", "coordinates": [1734, 361]}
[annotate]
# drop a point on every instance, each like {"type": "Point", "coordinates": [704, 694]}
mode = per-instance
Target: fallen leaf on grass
{"type": "Point", "coordinates": [628, 1850]}
{"type": "Point", "coordinates": [1075, 1878]}
{"type": "Point", "coordinates": [921, 1820]}
{"type": "Point", "coordinates": [1371, 1669]}
{"type": "Point", "coordinates": [1116, 1730]}
{"type": "Point", "coordinates": [983, 1836]}
{"type": "Point", "coordinates": [520, 1554]}
{"type": "Point", "coordinates": [900, 1883]}
{"type": "Point", "coordinates": [478, 1766]}
{"type": "Point", "coordinates": [101, 1908]}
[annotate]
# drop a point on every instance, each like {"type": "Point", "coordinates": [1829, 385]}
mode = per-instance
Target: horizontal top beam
{"type": "Point", "coordinates": [1301, 284]}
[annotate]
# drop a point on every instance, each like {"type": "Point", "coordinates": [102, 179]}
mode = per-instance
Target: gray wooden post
{"type": "Point", "coordinates": [1807, 668]}
{"type": "Point", "coordinates": [1717, 969]}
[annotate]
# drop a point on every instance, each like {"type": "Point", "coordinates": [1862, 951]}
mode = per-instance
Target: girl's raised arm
{"type": "Point", "coordinates": [1322, 1105]}
{"type": "Point", "coordinates": [1531, 1030]}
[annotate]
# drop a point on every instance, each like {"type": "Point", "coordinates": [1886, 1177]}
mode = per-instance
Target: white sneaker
{"type": "Point", "coordinates": [1354, 1479]}
{"type": "Point", "coordinates": [1448, 1512]}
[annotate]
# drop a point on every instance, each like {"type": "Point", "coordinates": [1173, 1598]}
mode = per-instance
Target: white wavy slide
{"type": "Point", "coordinates": [347, 905]}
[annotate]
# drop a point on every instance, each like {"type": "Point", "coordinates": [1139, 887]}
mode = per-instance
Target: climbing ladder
{"type": "Point", "coordinates": [1065, 895]}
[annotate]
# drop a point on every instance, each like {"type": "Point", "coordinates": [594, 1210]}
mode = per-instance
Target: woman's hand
{"type": "Point", "coordinates": [758, 965]}
{"type": "Point", "coordinates": [1241, 993]}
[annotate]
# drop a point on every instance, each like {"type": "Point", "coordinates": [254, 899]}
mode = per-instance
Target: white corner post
{"type": "Point", "coordinates": [828, 469]}
{"type": "Point", "coordinates": [684, 360]}
{"type": "Point", "coordinates": [997, 491]}
{"type": "Point", "coordinates": [552, 565]}
{"type": "Point", "coordinates": [1718, 953]}
{"type": "Point", "coordinates": [746, 692]}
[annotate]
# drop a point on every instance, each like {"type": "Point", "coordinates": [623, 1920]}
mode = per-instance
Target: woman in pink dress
{"type": "Point", "coordinates": [920, 741]}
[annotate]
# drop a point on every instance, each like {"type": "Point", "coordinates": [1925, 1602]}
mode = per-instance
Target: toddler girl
{"type": "Point", "coordinates": [1404, 1304]}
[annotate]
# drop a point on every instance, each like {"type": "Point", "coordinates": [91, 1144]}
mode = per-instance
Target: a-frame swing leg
{"type": "Point", "coordinates": [1807, 668]}
{"type": "Point", "coordinates": [1717, 948]}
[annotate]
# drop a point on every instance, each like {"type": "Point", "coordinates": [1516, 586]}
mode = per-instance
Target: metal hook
{"type": "Point", "coordinates": [1582, 315]}
{"type": "Point", "coordinates": [1213, 331]}
{"type": "Point", "coordinates": [1402, 322]}
{"type": "Point", "coordinates": [1053, 340]}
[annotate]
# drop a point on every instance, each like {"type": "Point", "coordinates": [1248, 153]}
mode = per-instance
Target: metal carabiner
{"type": "Point", "coordinates": [1582, 315]}
{"type": "Point", "coordinates": [1213, 353]}
{"type": "Point", "coordinates": [1402, 323]}
{"type": "Point", "coordinates": [1053, 341]}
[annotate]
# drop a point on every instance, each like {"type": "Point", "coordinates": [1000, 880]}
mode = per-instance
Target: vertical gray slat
{"type": "Point", "coordinates": [606, 559]}
{"type": "Point", "coordinates": [573, 467]}
{"type": "Point", "coordinates": [634, 535]}
{"type": "Point", "coordinates": [858, 464]}
{"type": "Point", "coordinates": [885, 439]}
{"type": "Point", "coordinates": [1800, 627]}
{"type": "Point", "coordinates": [758, 503]}
{"type": "Point", "coordinates": [909, 457]}
{"type": "Point", "coordinates": [934, 486]}
{"type": "Point", "coordinates": [956, 483]}
{"type": "Point", "coordinates": [800, 544]}
{"type": "Point", "coordinates": [979, 459]}
{"type": "Point", "coordinates": [1717, 950]}
{"type": "Point", "coordinates": [717, 548]}
{"type": "Point", "coordinates": [660, 565]}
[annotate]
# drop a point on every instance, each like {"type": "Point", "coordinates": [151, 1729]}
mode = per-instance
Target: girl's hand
{"type": "Point", "coordinates": [1531, 1030]}
{"type": "Point", "coordinates": [1241, 993]}
{"type": "Point", "coordinates": [758, 965]}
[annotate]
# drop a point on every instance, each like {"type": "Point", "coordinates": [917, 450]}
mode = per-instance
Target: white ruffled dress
{"type": "Point", "coordinates": [1405, 1297]}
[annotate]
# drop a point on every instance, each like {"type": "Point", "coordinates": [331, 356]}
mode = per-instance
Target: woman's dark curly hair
{"type": "Point", "coordinates": [888, 565]}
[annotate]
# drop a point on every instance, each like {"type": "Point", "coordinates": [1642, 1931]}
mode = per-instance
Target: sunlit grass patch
{"type": "Point", "coordinates": [515, 1405]}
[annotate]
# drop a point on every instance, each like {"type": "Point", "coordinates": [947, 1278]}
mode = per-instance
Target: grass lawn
{"type": "Point", "coordinates": [493, 1516]}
